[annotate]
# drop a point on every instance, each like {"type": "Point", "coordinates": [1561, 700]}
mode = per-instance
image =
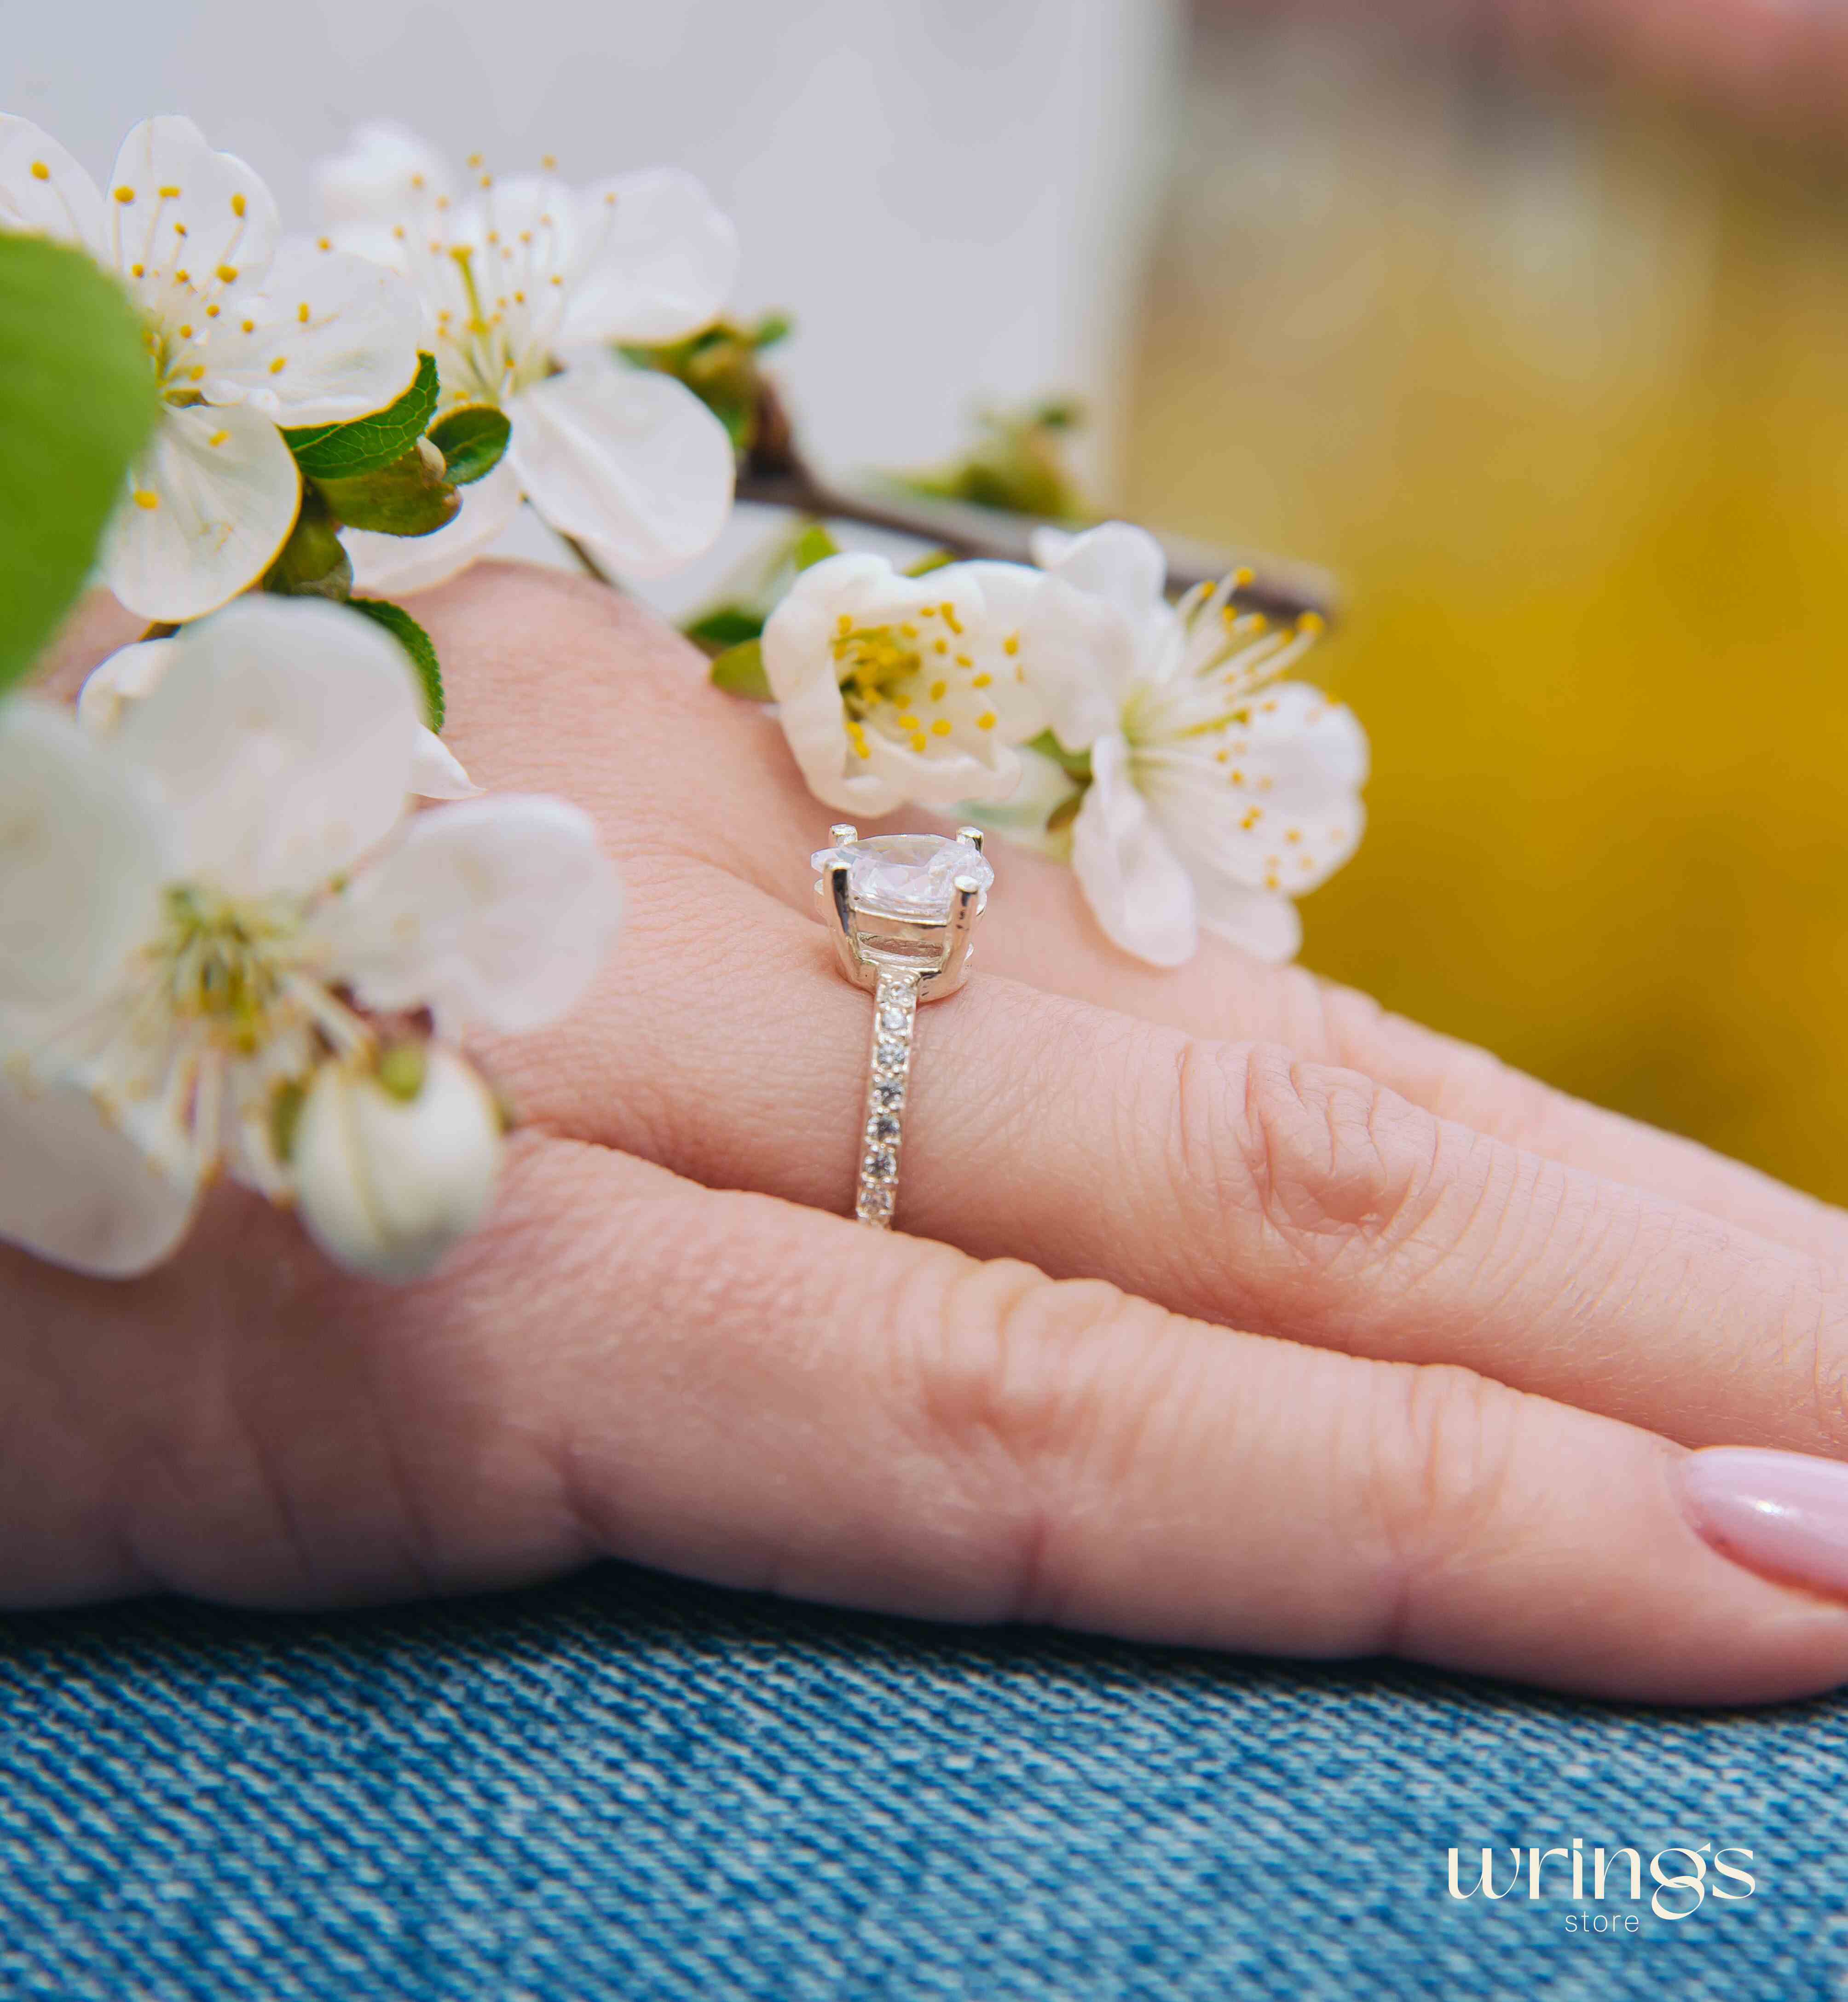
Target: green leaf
{"type": "Point", "coordinates": [740, 670]}
{"type": "Point", "coordinates": [368, 444]}
{"type": "Point", "coordinates": [724, 626]}
{"type": "Point", "coordinates": [416, 642]}
{"type": "Point", "coordinates": [924, 565]}
{"type": "Point", "coordinates": [471, 441]}
{"type": "Point", "coordinates": [77, 401]}
{"type": "Point", "coordinates": [410, 496]}
{"type": "Point", "coordinates": [812, 545]}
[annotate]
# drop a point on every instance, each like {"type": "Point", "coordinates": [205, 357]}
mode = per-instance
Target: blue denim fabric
{"type": "Point", "coordinates": [622, 1787]}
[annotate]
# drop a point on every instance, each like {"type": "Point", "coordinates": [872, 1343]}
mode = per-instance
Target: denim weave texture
{"type": "Point", "coordinates": [620, 1786]}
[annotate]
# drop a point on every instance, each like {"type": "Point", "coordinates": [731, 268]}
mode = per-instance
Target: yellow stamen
{"type": "Point", "coordinates": [238, 204]}
{"type": "Point", "coordinates": [144, 499]}
{"type": "Point", "coordinates": [125, 194]}
{"type": "Point", "coordinates": [985, 720]}
{"type": "Point", "coordinates": [40, 172]}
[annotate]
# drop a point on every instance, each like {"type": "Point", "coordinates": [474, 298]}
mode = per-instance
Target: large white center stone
{"type": "Point", "coordinates": [907, 875]}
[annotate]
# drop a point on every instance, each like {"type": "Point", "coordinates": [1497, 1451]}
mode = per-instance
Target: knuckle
{"type": "Point", "coordinates": [1016, 1386]}
{"type": "Point", "coordinates": [1321, 1157]}
{"type": "Point", "coordinates": [1439, 1457]}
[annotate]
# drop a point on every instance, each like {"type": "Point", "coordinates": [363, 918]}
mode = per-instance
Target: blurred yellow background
{"type": "Point", "coordinates": [1557, 383]}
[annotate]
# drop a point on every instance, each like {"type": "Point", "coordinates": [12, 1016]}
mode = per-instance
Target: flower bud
{"type": "Point", "coordinates": [393, 1166]}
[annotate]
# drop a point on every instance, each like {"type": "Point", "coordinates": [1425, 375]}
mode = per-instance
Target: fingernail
{"type": "Point", "coordinates": [1783, 1513]}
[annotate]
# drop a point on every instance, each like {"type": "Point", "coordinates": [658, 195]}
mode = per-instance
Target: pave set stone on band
{"type": "Point", "coordinates": [902, 908]}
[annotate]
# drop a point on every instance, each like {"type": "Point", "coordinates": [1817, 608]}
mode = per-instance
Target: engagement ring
{"type": "Point", "coordinates": [904, 908]}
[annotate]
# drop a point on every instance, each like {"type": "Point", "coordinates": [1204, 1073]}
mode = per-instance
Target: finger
{"type": "Point", "coordinates": [1228, 1181]}
{"type": "Point", "coordinates": [706, 775]}
{"type": "Point", "coordinates": [769, 1398]}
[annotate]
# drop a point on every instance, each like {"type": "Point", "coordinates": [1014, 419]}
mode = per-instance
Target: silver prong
{"type": "Point", "coordinates": [837, 887]}
{"type": "Point", "coordinates": [841, 835]}
{"type": "Point", "coordinates": [962, 923]}
{"type": "Point", "coordinates": [972, 835]}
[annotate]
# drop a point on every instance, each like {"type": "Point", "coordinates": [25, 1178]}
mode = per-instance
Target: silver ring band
{"type": "Point", "coordinates": [904, 909]}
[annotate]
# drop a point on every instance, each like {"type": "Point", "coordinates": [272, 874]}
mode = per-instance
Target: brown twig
{"type": "Point", "coordinates": [775, 474]}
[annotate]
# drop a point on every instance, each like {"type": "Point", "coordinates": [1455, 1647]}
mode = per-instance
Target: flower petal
{"type": "Point", "coordinates": [436, 773]}
{"type": "Point", "coordinates": [80, 1188]}
{"type": "Point", "coordinates": [384, 169]}
{"type": "Point", "coordinates": [970, 707]}
{"type": "Point", "coordinates": [1265, 925]}
{"type": "Point", "coordinates": [629, 462]}
{"type": "Point", "coordinates": [396, 566]}
{"type": "Point", "coordinates": [497, 912]}
{"type": "Point", "coordinates": [330, 338]}
{"type": "Point", "coordinates": [1134, 882]}
{"type": "Point", "coordinates": [43, 192]}
{"type": "Point", "coordinates": [129, 673]}
{"type": "Point", "coordinates": [1293, 813]}
{"type": "Point", "coordinates": [185, 221]}
{"type": "Point", "coordinates": [385, 1186]}
{"type": "Point", "coordinates": [656, 259]}
{"type": "Point", "coordinates": [211, 502]}
{"type": "Point", "coordinates": [1117, 562]}
{"type": "Point", "coordinates": [281, 735]}
{"type": "Point", "coordinates": [85, 851]}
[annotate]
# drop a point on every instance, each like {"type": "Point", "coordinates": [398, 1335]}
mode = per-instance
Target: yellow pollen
{"type": "Point", "coordinates": [249, 326]}
{"type": "Point", "coordinates": [196, 375]}
{"type": "Point", "coordinates": [180, 230]}
{"type": "Point", "coordinates": [217, 439]}
{"type": "Point", "coordinates": [844, 625]}
{"type": "Point", "coordinates": [1253, 816]}
{"type": "Point", "coordinates": [927, 612]}
{"type": "Point", "coordinates": [910, 632]}
{"type": "Point", "coordinates": [397, 230]}
{"type": "Point", "coordinates": [1011, 644]}
{"type": "Point", "coordinates": [211, 312]}
{"type": "Point", "coordinates": [301, 312]}
{"type": "Point", "coordinates": [227, 273]}
{"type": "Point", "coordinates": [487, 180]}
{"type": "Point", "coordinates": [238, 204]}
{"type": "Point", "coordinates": [1240, 578]}
{"type": "Point", "coordinates": [941, 645]}
{"type": "Point", "coordinates": [985, 720]}
{"type": "Point", "coordinates": [556, 280]}
{"type": "Point", "coordinates": [951, 620]}
{"type": "Point", "coordinates": [144, 499]}
{"type": "Point", "coordinates": [1311, 621]}
{"type": "Point", "coordinates": [474, 160]}
{"type": "Point", "coordinates": [907, 721]}
{"type": "Point", "coordinates": [40, 172]}
{"type": "Point", "coordinates": [941, 727]}
{"type": "Point", "coordinates": [324, 243]}
{"type": "Point", "coordinates": [277, 366]}
{"type": "Point", "coordinates": [549, 162]}
{"type": "Point", "coordinates": [519, 298]}
{"type": "Point", "coordinates": [125, 194]}
{"type": "Point", "coordinates": [980, 681]}
{"type": "Point", "coordinates": [920, 743]}
{"type": "Point", "coordinates": [138, 270]}
{"type": "Point", "coordinates": [416, 180]}
{"type": "Point", "coordinates": [183, 277]}
{"type": "Point", "coordinates": [609, 200]}
{"type": "Point", "coordinates": [170, 194]}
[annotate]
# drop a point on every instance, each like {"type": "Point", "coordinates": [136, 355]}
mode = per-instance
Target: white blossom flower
{"type": "Point", "coordinates": [893, 689]}
{"type": "Point", "coordinates": [133, 672]}
{"type": "Point", "coordinates": [200, 902]}
{"type": "Point", "coordinates": [245, 335]}
{"type": "Point", "coordinates": [389, 1174]}
{"type": "Point", "coordinates": [1218, 791]}
{"type": "Point", "coordinates": [526, 284]}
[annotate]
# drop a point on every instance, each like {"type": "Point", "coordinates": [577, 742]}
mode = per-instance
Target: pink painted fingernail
{"type": "Point", "coordinates": [1784, 1513]}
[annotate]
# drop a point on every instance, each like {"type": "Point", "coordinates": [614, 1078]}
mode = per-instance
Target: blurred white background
{"type": "Point", "coordinates": [951, 195]}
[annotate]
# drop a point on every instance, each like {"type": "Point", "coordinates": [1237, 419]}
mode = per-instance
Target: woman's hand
{"type": "Point", "coordinates": [1483, 1321]}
